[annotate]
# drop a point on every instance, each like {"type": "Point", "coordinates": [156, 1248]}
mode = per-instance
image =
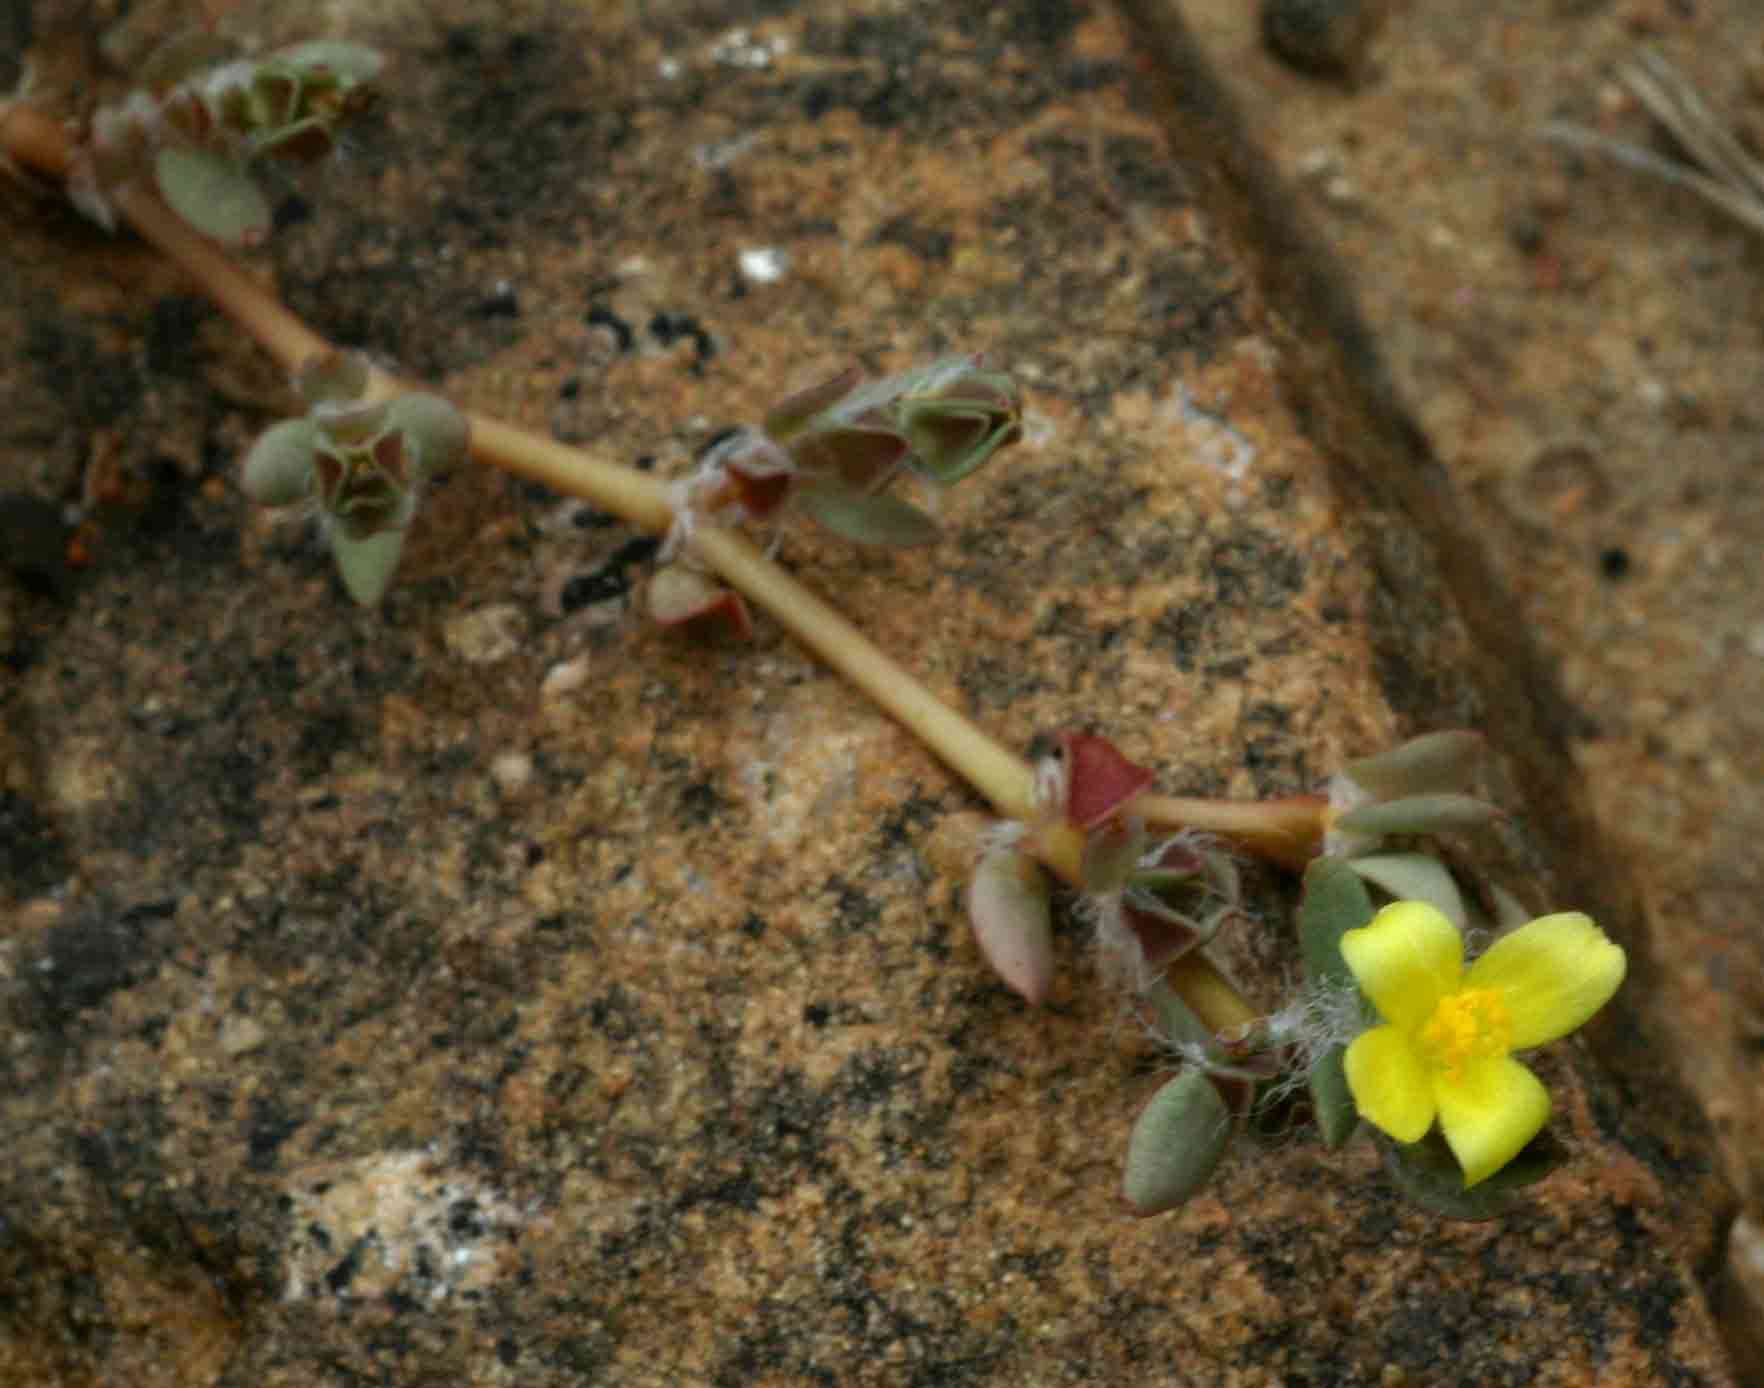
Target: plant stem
{"type": "Point", "coordinates": [1285, 831]}
{"type": "Point", "coordinates": [1288, 832]}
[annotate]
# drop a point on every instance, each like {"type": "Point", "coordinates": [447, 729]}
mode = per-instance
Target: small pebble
{"type": "Point", "coordinates": [242, 1034]}
{"type": "Point", "coordinates": [512, 772]}
{"type": "Point", "coordinates": [764, 264]}
{"type": "Point", "coordinates": [486, 635]}
{"type": "Point", "coordinates": [565, 677]}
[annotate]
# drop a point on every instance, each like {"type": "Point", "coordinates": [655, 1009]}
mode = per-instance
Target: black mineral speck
{"type": "Point", "coordinates": [500, 302]}
{"type": "Point", "coordinates": [602, 585]}
{"type": "Point", "coordinates": [602, 317]}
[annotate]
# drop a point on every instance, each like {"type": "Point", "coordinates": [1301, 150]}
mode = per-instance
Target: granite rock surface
{"type": "Point", "coordinates": [490, 989]}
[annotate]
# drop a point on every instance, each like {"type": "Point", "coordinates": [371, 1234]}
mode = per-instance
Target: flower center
{"type": "Point", "coordinates": [1467, 1026]}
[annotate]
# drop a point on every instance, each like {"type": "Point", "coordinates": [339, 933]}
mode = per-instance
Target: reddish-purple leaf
{"type": "Point", "coordinates": [678, 594]}
{"type": "Point", "coordinates": [761, 486]}
{"type": "Point", "coordinates": [1010, 909]}
{"type": "Point", "coordinates": [1099, 779]}
{"type": "Point", "coordinates": [1164, 936]}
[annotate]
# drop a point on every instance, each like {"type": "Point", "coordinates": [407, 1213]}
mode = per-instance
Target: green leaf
{"type": "Point", "coordinates": [366, 565]}
{"type": "Point", "coordinates": [1509, 911]}
{"type": "Point", "coordinates": [1415, 877]}
{"type": "Point", "coordinates": [1428, 1174]}
{"type": "Point", "coordinates": [1433, 764]}
{"type": "Point", "coordinates": [1337, 1117]}
{"type": "Point", "coordinates": [1419, 814]}
{"type": "Point", "coordinates": [868, 518]}
{"type": "Point", "coordinates": [278, 469]}
{"type": "Point", "coordinates": [333, 378]}
{"type": "Point", "coordinates": [1176, 1145]}
{"type": "Point", "coordinates": [213, 194]}
{"type": "Point", "coordinates": [952, 441]}
{"type": "Point", "coordinates": [1335, 902]}
{"type": "Point", "coordinates": [348, 63]}
{"type": "Point", "coordinates": [861, 459]}
{"type": "Point", "coordinates": [796, 412]}
{"type": "Point", "coordinates": [439, 431]}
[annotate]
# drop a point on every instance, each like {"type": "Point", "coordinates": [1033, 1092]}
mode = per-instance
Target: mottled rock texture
{"type": "Point", "coordinates": [489, 989]}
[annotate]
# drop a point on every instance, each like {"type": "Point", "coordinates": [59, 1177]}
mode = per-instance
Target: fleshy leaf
{"type": "Point", "coordinates": [1099, 779]}
{"type": "Point", "coordinates": [440, 432]}
{"type": "Point", "coordinates": [1436, 763]}
{"type": "Point", "coordinates": [761, 484]}
{"type": "Point", "coordinates": [870, 518]}
{"type": "Point", "coordinates": [1337, 1118]}
{"type": "Point", "coordinates": [1335, 902]}
{"type": "Point", "coordinates": [950, 443]}
{"type": "Point", "coordinates": [1415, 877]}
{"type": "Point", "coordinates": [795, 412]}
{"type": "Point", "coordinates": [278, 469]}
{"type": "Point", "coordinates": [1176, 862]}
{"type": "Point", "coordinates": [679, 594]}
{"type": "Point", "coordinates": [1164, 935]}
{"type": "Point", "coordinates": [333, 378]}
{"type": "Point", "coordinates": [367, 564]}
{"type": "Point", "coordinates": [1419, 814]}
{"type": "Point", "coordinates": [1428, 1174]}
{"type": "Point", "coordinates": [1509, 911]}
{"type": "Point", "coordinates": [1176, 1145]}
{"type": "Point", "coordinates": [348, 63]}
{"type": "Point", "coordinates": [957, 416]}
{"type": "Point", "coordinates": [213, 194]}
{"type": "Point", "coordinates": [1010, 908]}
{"type": "Point", "coordinates": [861, 459]}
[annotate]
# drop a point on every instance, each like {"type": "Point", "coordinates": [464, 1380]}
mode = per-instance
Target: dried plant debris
{"type": "Point", "coordinates": [1731, 179]}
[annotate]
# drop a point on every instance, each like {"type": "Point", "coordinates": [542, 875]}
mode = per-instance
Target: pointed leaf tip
{"type": "Point", "coordinates": [1419, 814]}
{"type": "Point", "coordinates": [1335, 901]}
{"type": "Point", "coordinates": [869, 518]}
{"type": "Point", "coordinates": [1415, 877]}
{"type": "Point", "coordinates": [1433, 764]}
{"type": "Point", "coordinates": [366, 565]}
{"type": "Point", "coordinates": [1099, 779]}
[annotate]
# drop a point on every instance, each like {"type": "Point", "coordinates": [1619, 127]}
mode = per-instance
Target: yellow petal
{"type": "Point", "coordinates": [1390, 1084]}
{"type": "Point", "coordinates": [1407, 959]}
{"type": "Point", "coordinates": [1553, 974]}
{"type": "Point", "coordinates": [1488, 1113]}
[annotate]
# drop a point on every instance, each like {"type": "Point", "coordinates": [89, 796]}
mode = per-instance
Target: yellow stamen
{"type": "Point", "coordinates": [1467, 1026]}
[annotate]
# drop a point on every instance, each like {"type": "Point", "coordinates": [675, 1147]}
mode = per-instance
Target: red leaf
{"type": "Point", "coordinates": [1099, 779]}
{"type": "Point", "coordinates": [760, 490]}
{"type": "Point", "coordinates": [678, 594]}
{"type": "Point", "coordinates": [1161, 938]}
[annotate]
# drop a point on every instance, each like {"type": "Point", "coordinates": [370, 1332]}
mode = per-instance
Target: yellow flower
{"type": "Point", "coordinates": [1445, 1048]}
